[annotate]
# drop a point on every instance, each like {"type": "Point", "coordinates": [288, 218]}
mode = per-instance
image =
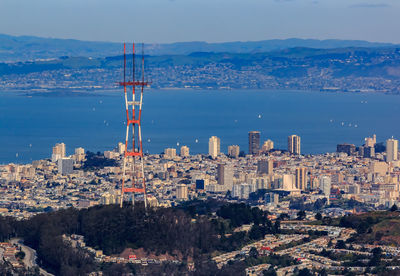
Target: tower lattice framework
{"type": "Point", "coordinates": [133, 178]}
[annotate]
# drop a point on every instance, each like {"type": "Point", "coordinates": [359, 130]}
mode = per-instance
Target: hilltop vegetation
{"type": "Point", "coordinates": [179, 232]}
{"type": "Point", "coordinates": [379, 227]}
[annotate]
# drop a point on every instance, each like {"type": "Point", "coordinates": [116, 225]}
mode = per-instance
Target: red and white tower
{"type": "Point", "coordinates": [133, 178]}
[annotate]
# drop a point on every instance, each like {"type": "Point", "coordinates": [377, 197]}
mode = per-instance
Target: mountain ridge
{"type": "Point", "coordinates": [25, 48]}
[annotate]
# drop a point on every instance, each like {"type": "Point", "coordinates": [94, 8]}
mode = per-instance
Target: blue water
{"type": "Point", "coordinates": [31, 125]}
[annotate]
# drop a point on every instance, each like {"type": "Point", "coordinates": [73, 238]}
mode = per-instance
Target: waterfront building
{"type": "Point", "coordinates": [58, 152]}
{"type": "Point", "coordinates": [79, 154]}
{"type": "Point", "coordinates": [294, 144]}
{"type": "Point", "coordinates": [169, 153]}
{"type": "Point", "coordinates": [370, 141]}
{"type": "Point", "coordinates": [254, 142]}
{"type": "Point", "coordinates": [350, 149]}
{"type": "Point", "coordinates": [184, 151]}
{"type": "Point", "coordinates": [233, 151]}
{"type": "Point", "coordinates": [121, 148]}
{"type": "Point", "coordinates": [214, 146]}
{"type": "Point", "coordinates": [267, 146]}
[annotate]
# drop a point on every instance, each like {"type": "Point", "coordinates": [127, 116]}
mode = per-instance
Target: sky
{"type": "Point", "coordinates": [165, 21]}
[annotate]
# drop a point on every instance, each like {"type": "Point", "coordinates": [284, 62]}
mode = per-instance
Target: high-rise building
{"type": "Point", "coordinates": [350, 149]}
{"type": "Point", "coordinates": [271, 198]}
{"type": "Point", "coordinates": [169, 153]}
{"type": "Point", "coordinates": [265, 166]}
{"type": "Point", "coordinates": [58, 152]}
{"type": "Point", "coordinates": [267, 146]}
{"type": "Point", "coordinates": [181, 192]}
{"type": "Point", "coordinates": [214, 145]}
{"type": "Point", "coordinates": [369, 152]}
{"type": "Point", "coordinates": [301, 178]}
{"type": "Point", "coordinates": [225, 176]}
{"type": "Point", "coordinates": [294, 144]}
{"type": "Point", "coordinates": [121, 148]}
{"type": "Point", "coordinates": [184, 151]}
{"type": "Point", "coordinates": [233, 151]}
{"type": "Point", "coordinates": [65, 166]}
{"type": "Point", "coordinates": [79, 154]}
{"type": "Point", "coordinates": [325, 185]}
{"type": "Point", "coordinates": [391, 150]}
{"type": "Point", "coordinates": [370, 141]}
{"type": "Point", "coordinates": [254, 142]}
{"type": "Point", "coordinates": [287, 182]}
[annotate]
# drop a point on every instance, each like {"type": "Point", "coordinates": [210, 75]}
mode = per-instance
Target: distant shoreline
{"type": "Point", "coordinates": [93, 92]}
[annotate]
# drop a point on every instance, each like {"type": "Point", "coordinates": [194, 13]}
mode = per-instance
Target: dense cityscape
{"type": "Point", "coordinates": [285, 184]}
{"type": "Point", "coordinates": [253, 159]}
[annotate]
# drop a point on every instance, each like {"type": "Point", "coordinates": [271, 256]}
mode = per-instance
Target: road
{"type": "Point", "coordinates": [30, 256]}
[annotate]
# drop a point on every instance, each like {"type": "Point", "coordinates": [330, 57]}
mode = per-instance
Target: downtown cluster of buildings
{"type": "Point", "coordinates": [278, 175]}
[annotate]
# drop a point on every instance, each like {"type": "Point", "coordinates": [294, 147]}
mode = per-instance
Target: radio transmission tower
{"type": "Point", "coordinates": [133, 179]}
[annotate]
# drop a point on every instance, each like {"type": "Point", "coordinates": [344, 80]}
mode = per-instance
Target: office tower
{"type": "Point", "coordinates": [58, 152]}
{"type": "Point", "coordinates": [350, 149]}
{"type": "Point", "coordinates": [214, 145]}
{"type": "Point", "coordinates": [233, 151]}
{"type": "Point", "coordinates": [369, 152]}
{"type": "Point", "coordinates": [325, 185]}
{"type": "Point", "coordinates": [169, 153]}
{"type": "Point", "coordinates": [271, 198]}
{"type": "Point", "coordinates": [79, 154]}
{"type": "Point", "coordinates": [65, 166]}
{"type": "Point", "coordinates": [121, 148]}
{"type": "Point", "coordinates": [267, 146]}
{"type": "Point", "coordinates": [287, 182]}
{"type": "Point", "coordinates": [391, 150]}
{"type": "Point", "coordinates": [225, 176]}
{"type": "Point", "coordinates": [184, 151]}
{"type": "Point", "coordinates": [370, 141]}
{"type": "Point", "coordinates": [236, 190]}
{"type": "Point", "coordinates": [181, 192]}
{"type": "Point", "coordinates": [265, 166]}
{"type": "Point", "coordinates": [294, 144]}
{"type": "Point", "coordinates": [301, 178]}
{"type": "Point", "coordinates": [254, 142]}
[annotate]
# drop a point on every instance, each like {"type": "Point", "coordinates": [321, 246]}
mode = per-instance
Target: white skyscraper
{"type": "Point", "coordinates": [325, 185]}
{"type": "Point", "coordinates": [391, 150]}
{"type": "Point", "coordinates": [214, 146]}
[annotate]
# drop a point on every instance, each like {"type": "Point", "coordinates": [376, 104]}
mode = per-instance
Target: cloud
{"type": "Point", "coordinates": [370, 5]}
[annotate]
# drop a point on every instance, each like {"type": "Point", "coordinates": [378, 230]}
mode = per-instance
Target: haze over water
{"type": "Point", "coordinates": [31, 125]}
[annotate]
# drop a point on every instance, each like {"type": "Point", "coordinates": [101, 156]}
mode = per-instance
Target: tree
{"type": "Point", "coordinates": [376, 257]}
{"type": "Point", "coordinates": [253, 252]}
{"type": "Point", "coordinates": [341, 244]}
{"type": "Point", "coordinates": [318, 216]}
{"type": "Point", "coordinates": [270, 272]}
{"type": "Point", "coordinates": [305, 272]}
{"type": "Point", "coordinates": [301, 215]}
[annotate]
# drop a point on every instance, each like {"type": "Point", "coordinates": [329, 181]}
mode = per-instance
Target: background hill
{"type": "Point", "coordinates": [23, 48]}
